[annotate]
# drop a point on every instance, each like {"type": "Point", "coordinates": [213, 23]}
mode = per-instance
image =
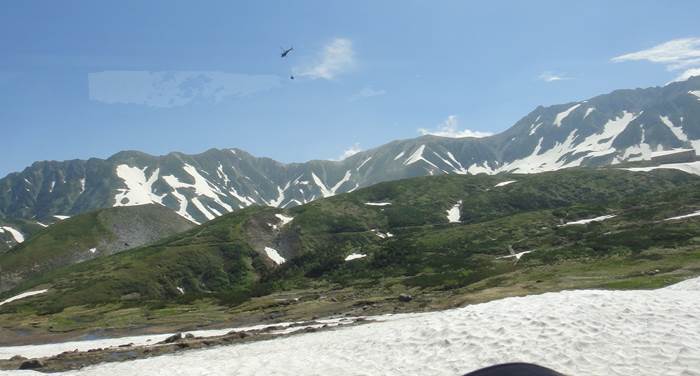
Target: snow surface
{"type": "Point", "coordinates": [139, 188]}
{"type": "Point", "coordinates": [695, 93]}
{"type": "Point", "coordinates": [504, 183]}
{"type": "Point", "coordinates": [690, 167]}
{"type": "Point", "coordinates": [22, 295]}
{"type": "Point", "coordinates": [382, 234]}
{"type": "Point", "coordinates": [695, 214]}
{"type": "Point", "coordinates": [588, 111]}
{"type": "Point", "coordinates": [284, 219]}
{"type": "Point", "coordinates": [461, 170]}
{"type": "Point", "coordinates": [517, 256]}
{"type": "Point", "coordinates": [453, 213]}
{"type": "Point", "coordinates": [564, 114]}
{"type": "Point", "coordinates": [377, 203]}
{"type": "Point", "coordinates": [274, 256]}
{"type": "Point", "coordinates": [182, 201]}
{"type": "Point", "coordinates": [202, 209]}
{"type": "Point", "coordinates": [222, 175]}
{"type": "Point", "coordinates": [280, 196]}
{"type": "Point", "coordinates": [669, 152]}
{"type": "Point", "coordinates": [534, 127]}
{"type": "Point", "coordinates": [93, 250]}
{"type": "Point", "coordinates": [595, 145]}
{"type": "Point", "coordinates": [41, 350]}
{"type": "Point", "coordinates": [677, 131]}
{"type": "Point", "coordinates": [19, 238]}
{"type": "Point", "coordinates": [355, 256]}
{"type": "Point", "coordinates": [61, 217]}
{"type": "Point", "coordinates": [363, 163]}
{"type": "Point", "coordinates": [401, 154]}
{"type": "Point", "coordinates": [245, 200]}
{"type": "Point", "coordinates": [418, 156]}
{"type": "Point", "coordinates": [580, 332]}
{"type": "Point", "coordinates": [328, 192]}
{"type": "Point", "coordinates": [202, 187]}
{"type": "Point", "coordinates": [589, 220]}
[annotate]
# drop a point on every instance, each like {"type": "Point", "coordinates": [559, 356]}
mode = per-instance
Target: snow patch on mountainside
{"type": "Point", "coordinates": [588, 111]}
{"type": "Point", "coordinates": [461, 170]}
{"type": "Point", "coordinates": [22, 296]}
{"type": "Point", "coordinates": [284, 219]}
{"type": "Point", "coordinates": [138, 189]}
{"type": "Point", "coordinates": [274, 256]}
{"type": "Point", "coordinates": [401, 154]}
{"type": "Point", "coordinates": [484, 168]}
{"type": "Point", "coordinates": [534, 127]}
{"type": "Point", "coordinates": [355, 256]}
{"type": "Point", "coordinates": [695, 214]}
{"type": "Point", "coordinates": [246, 201]}
{"type": "Point", "coordinates": [19, 238]}
{"type": "Point", "coordinates": [363, 163]}
{"type": "Point", "coordinates": [377, 203]}
{"type": "Point", "coordinates": [589, 220]}
{"type": "Point", "coordinates": [695, 93]}
{"type": "Point", "coordinates": [181, 199]}
{"type": "Point", "coordinates": [453, 213]}
{"type": "Point", "coordinates": [418, 156]}
{"type": "Point", "coordinates": [382, 235]}
{"type": "Point", "coordinates": [328, 192]}
{"type": "Point", "coordinates": [280, 196]}
{"type": "Point", "coordinates": [201, 187]}
{"type": "Point", "coordinates": [639, 152]}
{"type": "Point", "coordinates": [202, 209]}
{"type": "Point", "coordinates": [222, 175]}
{"type": "Point", "coordinates": [677, 131]}
{"type": "Point", "coordinates": [690, 167]}
{"type": "Point", "coordinates": [595, 145]}
{"type": "Point", "coordinates": [204, 187]}
{"type": "Point", "coordinates": [564, 114]}
{"type": "Point", "coordinates": [504, 183]}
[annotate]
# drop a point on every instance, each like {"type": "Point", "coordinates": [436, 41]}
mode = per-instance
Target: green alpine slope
{"type": "Point", "coordinates": [366, 247]}
{"type": "Point", "coordinates": [87, 236]}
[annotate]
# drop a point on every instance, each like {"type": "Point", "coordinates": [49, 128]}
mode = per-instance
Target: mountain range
{"type": "Point", "coordinates": [622, 126]}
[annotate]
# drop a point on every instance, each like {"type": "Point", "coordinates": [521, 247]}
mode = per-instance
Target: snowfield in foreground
{"type": "Point", "coordinates": [585, 332]}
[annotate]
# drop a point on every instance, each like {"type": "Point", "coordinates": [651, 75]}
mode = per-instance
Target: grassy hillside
{"type": "Point", "coordinates": [221, 267]}
{"type": "Point", "coordinates": [87, 236]}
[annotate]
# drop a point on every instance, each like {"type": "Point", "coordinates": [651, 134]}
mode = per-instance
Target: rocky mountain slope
{"type": "Point", "coordinates": [625, 125]}
{"type": "Point", "coordinates": [86, 236]}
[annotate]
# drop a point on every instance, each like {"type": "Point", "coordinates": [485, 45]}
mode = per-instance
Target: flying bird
{"type": "Point", "coordinates": [285, 52]}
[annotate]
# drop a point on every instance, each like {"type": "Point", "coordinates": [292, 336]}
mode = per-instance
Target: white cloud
{"type": "Point", "coordinates": [173, 88]}
{"type": "Point", "coordinates": [552, 76]}
{"type": "Point", "coordinates": [349, 152]}
{"type": "Point", "coordinates": [687, 74]}
{"type": "Point", "coordinates": [368, 92]}
{"type": "Point", "coordinates": [336, 58]}
{"type": "Point", "coordinates": [448, 128]}
{"type": "Point", "coordinates": [677, 54]}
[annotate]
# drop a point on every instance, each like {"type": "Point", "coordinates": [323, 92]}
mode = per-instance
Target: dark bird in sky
{"type": "Point", "coordinates": [285, 52]}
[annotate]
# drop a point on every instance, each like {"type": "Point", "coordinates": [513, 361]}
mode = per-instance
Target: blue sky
{"type": "Point", "coordinates": [82, 79]}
